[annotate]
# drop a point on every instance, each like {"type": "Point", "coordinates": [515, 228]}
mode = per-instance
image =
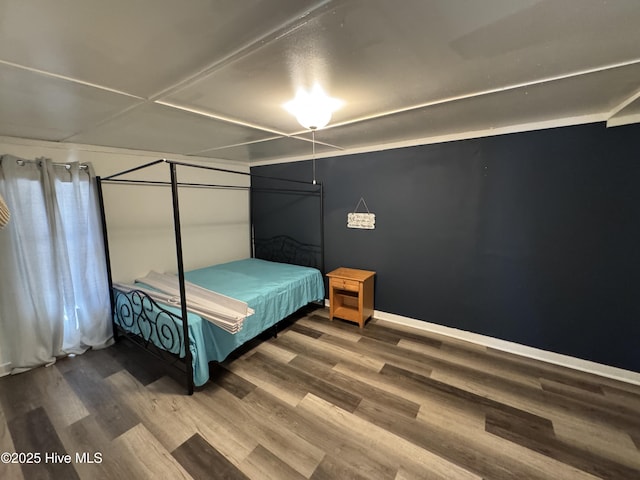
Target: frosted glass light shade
{"type": "Point", "coordinates": [313, 109]}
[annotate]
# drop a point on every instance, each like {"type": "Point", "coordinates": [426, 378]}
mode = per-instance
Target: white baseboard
{"type": "Point", "coordinates": [615, 373]}
{"type": "Point", "coordinates": [5, 369]}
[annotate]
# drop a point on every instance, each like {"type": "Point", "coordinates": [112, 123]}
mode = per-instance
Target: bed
{"type": "Point", "coordinates": [273, 290]}
{"type": "Point", "coordinates": [283, 276]}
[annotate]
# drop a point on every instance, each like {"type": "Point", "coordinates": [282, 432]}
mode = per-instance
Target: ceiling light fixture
{"type": "Point", "coordinates": [313, 109]}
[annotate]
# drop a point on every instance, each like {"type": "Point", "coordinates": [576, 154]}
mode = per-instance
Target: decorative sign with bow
{"type": "Point", "coordinates": [365, 221]}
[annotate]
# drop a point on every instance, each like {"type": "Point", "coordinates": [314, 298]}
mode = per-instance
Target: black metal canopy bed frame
{"type": "Point", "coordinates": [166, 330]}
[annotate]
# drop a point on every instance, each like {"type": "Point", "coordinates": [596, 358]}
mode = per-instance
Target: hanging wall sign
{"type": "Point", "coordinates": [357, 219]}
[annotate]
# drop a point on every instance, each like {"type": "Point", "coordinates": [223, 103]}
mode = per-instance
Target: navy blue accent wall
{"type": "Point", "coordinates": [530, 237]}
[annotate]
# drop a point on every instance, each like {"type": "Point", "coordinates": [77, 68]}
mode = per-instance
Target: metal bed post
{"type": "Point", "coordinates": [107, 256]}
{"type": "Point", "coordinates": [251, 232]}
{"type": "Point", "coordinates": [322, 269]}
{"type": "Point", "coordinates": [183, 295]}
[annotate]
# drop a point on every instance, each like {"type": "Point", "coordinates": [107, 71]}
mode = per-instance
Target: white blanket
{"type": "Point", "coordinates": [226, 312]}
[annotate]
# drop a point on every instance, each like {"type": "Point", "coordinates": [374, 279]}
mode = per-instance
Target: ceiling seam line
{"type": "Point", "coordinates": [70, 79]}
{"type": "Point", "coordinates": [266, 140]}
{"type": "Point", "coordinates": [108, 119]}
{"type": "Point", "coordinates": [625, 103]}
{"type": "Point", "coordinates": [486, 92]}
{"type": "Point", "coordinates": [217, 117]}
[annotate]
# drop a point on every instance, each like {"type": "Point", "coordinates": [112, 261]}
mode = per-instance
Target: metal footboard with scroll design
{"type": "Point", "coordinates": [150, 326]}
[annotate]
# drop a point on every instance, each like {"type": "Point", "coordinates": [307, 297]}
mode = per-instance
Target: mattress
{"type": "Point", "coordinates": [273, 290]}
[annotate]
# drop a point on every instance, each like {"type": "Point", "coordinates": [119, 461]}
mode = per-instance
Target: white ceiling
{"type": "Point", "coordinates": [209, 77]}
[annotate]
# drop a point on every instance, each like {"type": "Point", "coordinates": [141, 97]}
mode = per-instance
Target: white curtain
{"type": "Point", "coordinates": [54, 296]}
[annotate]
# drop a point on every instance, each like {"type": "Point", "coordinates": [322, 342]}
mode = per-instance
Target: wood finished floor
{"type": "Point", "coordinates": [324, 400]}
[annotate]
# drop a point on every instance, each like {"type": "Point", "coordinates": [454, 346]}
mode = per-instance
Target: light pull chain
{"type": "Point", "coordinates": [313, 157]}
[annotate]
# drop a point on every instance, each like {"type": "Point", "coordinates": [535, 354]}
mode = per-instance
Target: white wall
{"type": "Point", "coordinates": [215, 223]}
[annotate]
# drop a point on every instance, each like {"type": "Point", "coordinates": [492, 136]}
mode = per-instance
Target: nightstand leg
{"type": "Point", "coordinates": [331, 304]}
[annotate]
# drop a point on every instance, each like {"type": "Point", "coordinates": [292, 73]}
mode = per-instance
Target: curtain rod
{"type": "Point", "coordinates": [21, 162]}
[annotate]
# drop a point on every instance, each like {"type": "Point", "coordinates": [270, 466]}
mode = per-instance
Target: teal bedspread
{"type": "Point", "coordinates": [273, 290]}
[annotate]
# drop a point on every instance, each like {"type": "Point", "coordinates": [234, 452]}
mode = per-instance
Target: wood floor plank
{"type": "Point", "coordinates": [467, 448]}
{"type": "Point", "coordinates": [603, 440]}
{"type": "Point", "coordinates": [576, 385]}
{"type": "Point", "coordinates": [332, 468]}
{"type": "Point", "coordinates": [552, 371]}
{"type": "Point", "coordinates": [445, 342]}
{"type": "Point", "coordinates": [275, 351]}
{"type": "Point", "coordinates": [261, 463]}
{"type": "Point", "coordinates": [294, 450]}
{"type": "Point", "coordinates": [393, 335]}
{"type": "Point", "coordinates": [233, 383]}
{"type": "Point", "coordinates": [381, 441]}
{"type": "Point", "coordinates": [86, 439]}
{"type": "Point", "coordinates": [328, 349]}
{"type": "Point", "coordinates": [379, 334]}
{"type": "Point", "coordinates": [414, 360]}
{"type": "Point", "coordinates": [137, 363]}
{"type": "Point", "coordinates": [590, 397]}
{"type": "Point", "coordinates": [303, 330]}
{"type": "Point", "coordinates": [487, 403]}
{"type": "Point", "coordinates": [106, 361]}
{"type": "Point", "coordinates": [10, 471]}
{"type": "Point", "coordinates": [315, 430]}
{"type": "Point", "coordinates": [20, 394]}
{"type": "Point", "coordinates": [295, 377]}
{"type": "Point", "coordinates": [474, 362]}
{"type": "Point", "coordinates": [100, 398]}
{"type": "Point", "coordinates": [33, 433]}
{"type": "Point", "coordinates": [516, 461]}
{"type": "Point", "coordinates": [382, 382]}
{"type": "Point", "coordinates": [198, 415]}
{"type": "Point", "coordinates": [356, 387]}
{"type": "Point", "coordinates": [593, 393]}
{"type": "Point", "coordinates": [296, 343]}
{"type": "Point", "coordinates": [322, 325]}
{"type": "Point", "coordinates": [529, 370]}
{"type": "Point", "coordinates": [273, 382]}
{"type": "Point", "coordinates": [625, 398]}
{"type": "Point", "coordinates": [418, 362]}
{"type": "Point", "coordinates": [451, 413]}
{"type": "Point", "coordinates": [158, 413]}
{"type": "Point", "coordinates": [146, 457]}
{"type": "Point", "coordinates": [540, 402]}
{"type": "Point", "coordinates": [60, 401]}
{"type": "Point", "coordinates": [553, 447]}
{"type": "Point", "coordinates": [204, 462]}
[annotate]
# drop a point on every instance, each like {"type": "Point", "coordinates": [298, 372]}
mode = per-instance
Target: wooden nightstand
{"type": "Point", "coordinates": [351, 294]}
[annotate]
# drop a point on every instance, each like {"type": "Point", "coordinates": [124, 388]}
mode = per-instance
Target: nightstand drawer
{"type": "Point", "coordinates": [344, 284]}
